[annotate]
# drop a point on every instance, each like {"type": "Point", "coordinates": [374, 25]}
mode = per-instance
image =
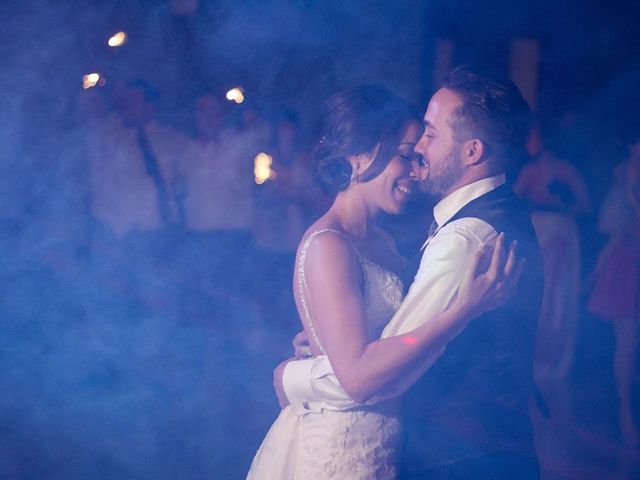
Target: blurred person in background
{"type": "Point", "coordinates": [133, 160]}
{"type": "Point", "coordinates": [133, 163]}
{"type": "Point", "coordinates": [216, 192]}
{"type": "Point", "coordinates": [253, 122]}
{"type": "Point", "coordinates": [557, 193]}
{"type": "Point", "coordinates": [616, 293]}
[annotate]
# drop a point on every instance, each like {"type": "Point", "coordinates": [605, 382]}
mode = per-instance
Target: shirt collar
{"type": "Point", "coordinates": [452, 203]}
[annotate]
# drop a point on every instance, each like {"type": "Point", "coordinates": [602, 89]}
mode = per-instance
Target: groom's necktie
{"type": "Point", "coordinates": [433, 228]}
{"type": "Point", "coordinates": [153, 170]}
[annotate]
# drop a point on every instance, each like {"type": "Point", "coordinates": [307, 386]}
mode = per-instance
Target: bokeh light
{"type": "Point", "coordinates": [236, 94]}
{"type": "Point", "coordinates": [118, 39]}
{"type": "Point", "coordinates": [262, 170]}
{"type": "Point", "coordinates": [91, 80]}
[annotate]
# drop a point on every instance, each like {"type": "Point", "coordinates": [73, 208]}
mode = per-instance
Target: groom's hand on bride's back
{"type": "Point", "coordinates": [301, 348]}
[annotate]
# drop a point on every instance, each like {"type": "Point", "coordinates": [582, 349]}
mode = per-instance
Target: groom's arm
{"type": "Point", "coordinates": [311, 384]}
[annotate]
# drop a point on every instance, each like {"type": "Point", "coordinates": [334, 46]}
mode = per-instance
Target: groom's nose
{"type": "Point", "coordinates": [420, 147]}
{"type": "Point", "coordinates": [415, 169]}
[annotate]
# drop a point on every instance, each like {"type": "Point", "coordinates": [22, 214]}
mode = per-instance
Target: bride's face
{"type": "Point", "coordinates": [391, 190]}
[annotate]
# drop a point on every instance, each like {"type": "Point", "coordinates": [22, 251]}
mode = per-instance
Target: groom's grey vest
{"type": "Point", "coordinates": [475, 400]}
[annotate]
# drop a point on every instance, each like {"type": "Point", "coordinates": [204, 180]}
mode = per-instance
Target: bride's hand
{"type": "Point", "coordinates": [485, 288]}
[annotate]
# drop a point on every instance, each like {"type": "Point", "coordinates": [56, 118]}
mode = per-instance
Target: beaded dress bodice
{"type": "Point", "coordinates": [382, 291]}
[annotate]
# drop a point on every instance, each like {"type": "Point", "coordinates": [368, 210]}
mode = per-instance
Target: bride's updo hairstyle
{"type": "Point", "coordinates": [355, 121]}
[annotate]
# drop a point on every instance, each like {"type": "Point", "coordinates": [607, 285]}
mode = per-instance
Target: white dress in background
{"type": "Point", "coordinates": [362, 443]}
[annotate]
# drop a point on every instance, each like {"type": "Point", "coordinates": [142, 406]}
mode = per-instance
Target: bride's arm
{"type": "Point", "coordinates": [337, 309]}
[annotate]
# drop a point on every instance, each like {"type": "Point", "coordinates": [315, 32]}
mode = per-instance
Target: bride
{"type": "Point", "coordinates": [347, 288]}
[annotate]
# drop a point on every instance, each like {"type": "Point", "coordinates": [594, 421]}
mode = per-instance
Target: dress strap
{"type": "Point", "coordinates": [303, 286]}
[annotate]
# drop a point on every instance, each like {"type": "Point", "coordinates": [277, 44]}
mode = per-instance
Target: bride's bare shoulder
{"type": "Point", "coordinates": [323, 241]}
{"type": "Point", "coordinates": [326, 246]}
{"type": "Point", "coordinates": [323, 228]}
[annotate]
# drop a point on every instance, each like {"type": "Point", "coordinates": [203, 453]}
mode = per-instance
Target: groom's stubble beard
{"type": "Point", "coordinates": [451, 170]}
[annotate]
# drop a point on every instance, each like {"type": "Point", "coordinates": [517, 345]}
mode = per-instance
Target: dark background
{"type": "Point", "coordinates": [95, 385]}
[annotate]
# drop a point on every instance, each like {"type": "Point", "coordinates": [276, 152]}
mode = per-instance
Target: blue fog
{"type": "Point", "coordinates": [111, 369]}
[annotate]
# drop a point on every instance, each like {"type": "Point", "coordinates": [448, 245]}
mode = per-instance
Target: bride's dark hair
{"type": "Point", "coordinates": [355, 121]}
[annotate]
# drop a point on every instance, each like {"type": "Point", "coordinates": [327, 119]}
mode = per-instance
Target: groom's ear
{"type": "Point", "coordinates": [473, 152]}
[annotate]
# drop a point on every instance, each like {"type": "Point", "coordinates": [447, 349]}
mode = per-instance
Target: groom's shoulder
{"type": "Point", "coordinates": [504, 211]}
{"type": "Point", "coordinates": [500, 203]}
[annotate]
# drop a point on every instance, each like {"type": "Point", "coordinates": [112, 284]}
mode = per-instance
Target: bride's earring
{"type": "Point", "coordinates": [355, 174]}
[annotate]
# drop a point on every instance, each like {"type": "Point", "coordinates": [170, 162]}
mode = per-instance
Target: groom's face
{"type": "Point", "coordinates": [438, 147]}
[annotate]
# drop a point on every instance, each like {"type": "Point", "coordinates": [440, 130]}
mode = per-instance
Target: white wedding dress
{"type": "Point", "coordinates": [361, 443]}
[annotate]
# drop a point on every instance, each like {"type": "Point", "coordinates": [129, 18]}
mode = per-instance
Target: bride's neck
{"type": "Point", "coordinates": [353, 214]}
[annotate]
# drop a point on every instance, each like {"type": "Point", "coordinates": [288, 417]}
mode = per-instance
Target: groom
{"type": "Point", "coordinates": [468, 415]}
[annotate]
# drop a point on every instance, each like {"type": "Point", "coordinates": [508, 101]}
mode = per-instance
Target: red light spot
{"type": "Point", "coordinates": [410, 340]}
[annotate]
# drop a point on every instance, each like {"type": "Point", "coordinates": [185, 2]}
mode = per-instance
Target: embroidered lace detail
{"type": "Point", "coordinates": [356, 445]}
{"type": "Point", "coordinates": [383, 294]}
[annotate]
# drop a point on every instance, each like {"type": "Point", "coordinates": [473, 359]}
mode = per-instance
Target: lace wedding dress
{"type": "Point", "coordinates": [362, 443]}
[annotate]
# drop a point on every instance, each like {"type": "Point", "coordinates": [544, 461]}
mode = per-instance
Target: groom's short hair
{"type": "Point", "coordinates": [492, 110]}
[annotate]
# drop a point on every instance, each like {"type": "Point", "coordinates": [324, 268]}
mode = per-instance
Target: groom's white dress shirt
{"type": "Point", "coordinates": [311, 385]}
